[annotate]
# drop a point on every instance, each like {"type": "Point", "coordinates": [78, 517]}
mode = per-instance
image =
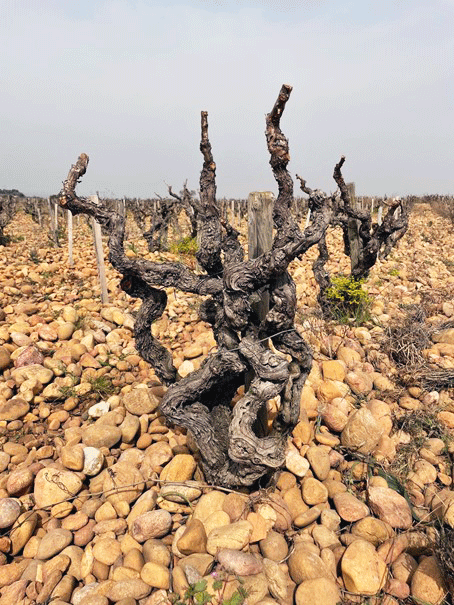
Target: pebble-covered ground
{"type": "Point", "coordinates": [101, 502]}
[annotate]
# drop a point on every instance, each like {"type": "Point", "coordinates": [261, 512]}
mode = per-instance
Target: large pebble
{"type": "Point", "coordinates": [180, 468]}
{"type": "Point", "coordinates": [194, 538]}
{"type": "Point", "coordinates": [277, 579]}
{"type": "Point", "coordinates": [5, 358]}
{"type": "Point", "coordinates": [13, 409]}
{"type": "Point", "coordinates": [53, 542]}
{"type": "Point", "coordinates": [12, 572]}
{"type": "Point", "coordinates": [349, 508]}
{"type": "Point", "coordinates": [305, 564]}
{"type": "Point", "coordinates": [313, 491]}
{"type": "Point", "coordinates": [32, 372]}
{"type": "Point", "coordinates": [318, 591]}
{"type": "Point", "coordinates": [274, 546]}
{"type": "Point", "coordinates": [296, 464]}
{"type": "Point", "coordinates": [9, 511]}
{"type": "Point", "coordinates": [116, 591]}
{"type": "Point", "coordinates": [373, 530]}
{"type": "Point", "coordinates": [22, 531]}
{"type": "Point", "coordinates": [390, 506]}
{"type": "Point", "coordinates": [155, 575]}
{"type": "Point", "coordinates": [98, 435]}
{"type": "Point", "coordinates": [362, 432]}
{"type": "Point", "coordinates": [152, 524]}
{"type": "Point", "coordinates": [208, 504]}
{"type": "Point", "coordinates": [107, 550]}
{"type": "Point", "coordinates": [318, 458]}
{"type": "Point", "coordinates": [363, 571]}
{"type": "Point", "coordinates": [19, 480]}
{"type": "Point", "coordinates": [29, 356]}
{"type": "Point", "coordinates": [427, 584]}
{"type": "Point", "coordinates": [53, 486]}
{"type": "Point", "coordinates": [140, 401]}
{"type": "Point", "coordinates": [122, 481]}
{"type": "Point", "coordinates": [234, 536]}
{"type": "Point", "coordinates": [93, 461]}
{"type": "Point", "coordinates": [239, 563]}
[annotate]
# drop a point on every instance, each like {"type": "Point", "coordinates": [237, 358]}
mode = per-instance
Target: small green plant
{"type": "Point", "coordinates": [80, 323]}
{"type": "Point", "coordinates": [187, 245]}
{"type": "Point", "coordinates": [197, 594]}
{"type": "Point", "coordinates": [133, 248]}
{"type": "Point", "coordinates": [394, 272]}
{"type": "Point", "coordinates": [348, 300]}
{"type": "Point", "coordinates": [33, 256]}
{"type": "Point", "coordinates": [67, 392]}
{"type": "Point", "coordinates": [101, 385]}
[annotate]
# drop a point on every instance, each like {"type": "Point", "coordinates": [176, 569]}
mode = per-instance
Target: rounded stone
{"type": "Point", "coordinates": [99, 435]}
{"type": "Point", "coordinates": [53, 543]}
{"type": "Point", "coordinates": [19, 480]}
{"type": "Point", "coordinates": [313, 491]}
{"type": "Point", "coordinates": [107, 551]}
{"type": "Point", "coordinates": [154, 550]}
{"type": "Point", "coordinates": [93, 461]}
{"type": "Point", "coordinates": [235, 536]}
{"type": "Point", "coordinates": [363, 571]}
{"type": "Point", "coordinates": [373, 530]}
{"type": "Point", "coordinates": [9, 512]}
{"type": "Point", "coordinates": [140, 401]}
{"type": "Point", "coordinates": [390, 506]}
{"type": "Point", "coordinates": [427, 584]}
{"type": "Point", "coordinates": [134, 588]}
{"type": "Point", "coordinates": [239, 563]}
{"type": "Point", "coordinates": [305, 564]}
{"type": "Point", "coordinates": [152, 524]}
{"type": "Point", "coordinates": [53, 486]}
{"type": "Point", "coordinates": [180, 468]}
{"type": "Point", "coordinates": [155, 575]}
{"type": "Point", "coordinates": [349, 508]}
{"type": "Point", "coordinates": [362, 432]}
{"type": "Point", "coordinates": [296, 464]}
{"type": "Point", "coordinates": [123, 481]}
{"type": "Point", "coordinates": [318, 591]}
{"type": "Point", "coordinates": [13, 409]}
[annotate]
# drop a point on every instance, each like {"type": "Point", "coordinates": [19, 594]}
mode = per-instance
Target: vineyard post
{"type": "Point", "coordinates": [97, 239]}
{"type": "Point", "coordinates": [260, 239]}
{"type": "Point", "coordinates": [69, 216]}
{"type": "Point", "coordinates": [353, 230]}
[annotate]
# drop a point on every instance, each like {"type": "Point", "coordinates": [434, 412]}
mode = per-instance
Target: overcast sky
{"type": "Point", "coordinates": [125, 81]}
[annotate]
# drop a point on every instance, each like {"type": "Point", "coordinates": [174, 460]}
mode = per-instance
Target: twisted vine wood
{"type": "Point", "coordinates": [233, 450]}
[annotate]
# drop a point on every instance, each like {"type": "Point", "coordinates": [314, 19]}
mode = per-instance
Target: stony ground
{"type": "Point", "coordinates": [101, 502]}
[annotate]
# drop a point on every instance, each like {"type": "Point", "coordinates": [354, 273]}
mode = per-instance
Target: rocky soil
{"type": "Point", "coordinates": [101, 502]}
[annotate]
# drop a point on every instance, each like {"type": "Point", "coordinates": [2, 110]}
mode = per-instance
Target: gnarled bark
{"type": "Point", "coordinates": [7, 210]}
{"type": "Point", "coordinates": [233, 451]}
{"type": "Point", "coordinates": [374, 240]}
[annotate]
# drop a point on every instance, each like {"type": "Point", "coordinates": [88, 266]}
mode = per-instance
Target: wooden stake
{"type": "Point", "coordinates": [260, 239]}
{"type": "Point", "coordinates": [353, 230]}
{"type": "Point", "coordinates": [69, 216]}
{"type": "Point", "coordinates": [380, 214]}
{"type": "Point", "coordinates": [97, 238]}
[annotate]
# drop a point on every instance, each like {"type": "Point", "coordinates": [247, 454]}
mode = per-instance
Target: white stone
{"type": "Point", "coordinates": [99, 409]}
{"type": "Point", "coordinates": [93, 461]}
{"type": "Point", "coordinates": [296, 464]}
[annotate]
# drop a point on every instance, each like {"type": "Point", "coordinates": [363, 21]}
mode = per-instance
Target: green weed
{"type": "Point", "coordinates": [101, 385]}
{"type": "Point", "coordinates": [348, 301]}
{"type": "Point", "coordinates": [187, 245]}
{"type": "Point", "coordinates": [197, 594]}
